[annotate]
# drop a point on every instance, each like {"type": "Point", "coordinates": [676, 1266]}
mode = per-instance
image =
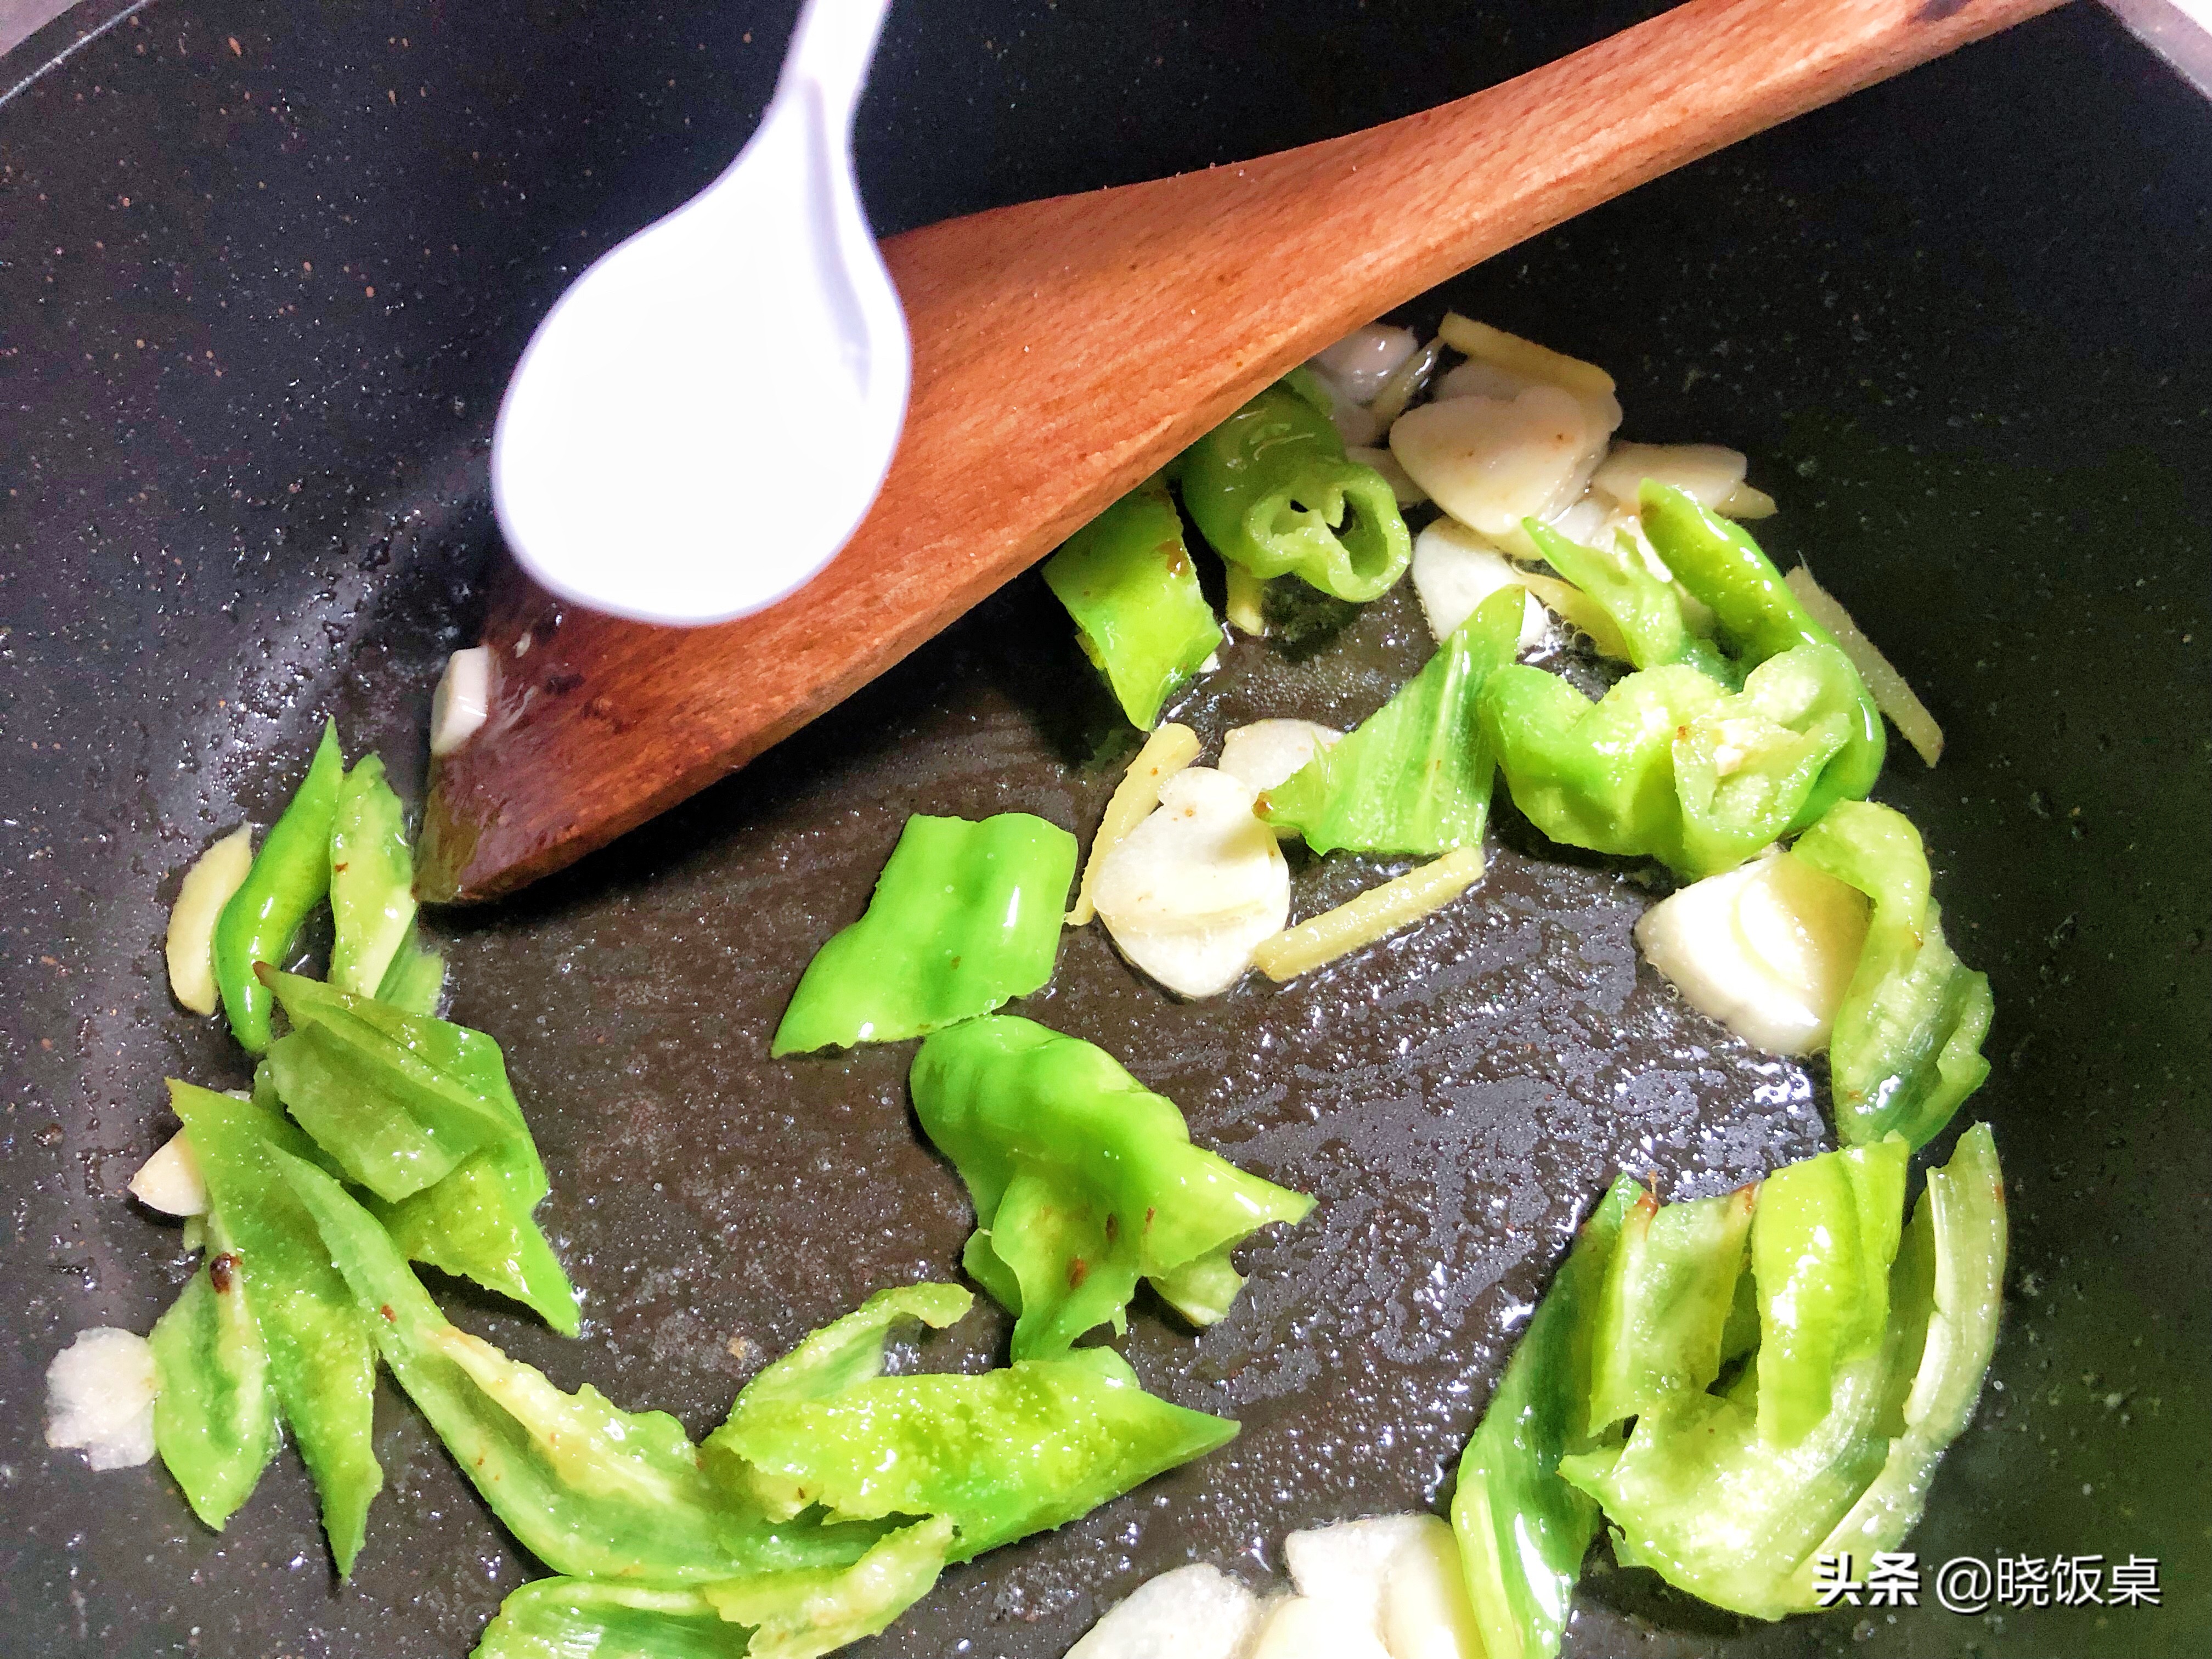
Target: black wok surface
{"type": "Point", "coordinates": [263, 269]}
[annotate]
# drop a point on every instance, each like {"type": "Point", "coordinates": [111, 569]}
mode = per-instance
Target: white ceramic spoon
{"type": "Point", "coordinates": [703, 419]}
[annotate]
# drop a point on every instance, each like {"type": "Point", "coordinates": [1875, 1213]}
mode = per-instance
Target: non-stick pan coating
{"type": "Point", "coordinates": [1957, 322]}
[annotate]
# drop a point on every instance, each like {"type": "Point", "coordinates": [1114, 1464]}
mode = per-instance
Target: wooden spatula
{"type": "Point", "coordinates": [1065, 348]}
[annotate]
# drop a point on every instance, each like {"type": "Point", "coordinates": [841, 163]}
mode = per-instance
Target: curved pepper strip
{"type": "Point", "coordinates": [1415, 776]}
{"type": "Point", "coordinates": [415, 980]}
{"type": "Point", "coordinates": [1270, 491]}
{"type": "Point", "coordinates": [1668, 764]}
{"type": "Point", "coordinates": [1671, 1288]}
{"type": "Point", "coordinates": [783, 1615]}
{"type": "Point", "coordinates": [1083, 1181]}
{"type": "Point", "coordinates": [322, 1365]}
{"type": "Point", "coordinates": [290, 876]}
{"type": "Point", "coordinates": [591, 1490]}
{"type": "Point", "coordinates": [372, 880]}
{"type": "Point", "coordinates": [1758, 616]}
{"type": "Point", "coordinates": [1947, 1296]}
{"type": "Point", "coordinates": [215, 1411]}
{"type": "Point", "coordinates": [850, 1350]}
{"type": "Point", "coordinates": [1907, 1046]}
{"type": "Point", "coordinates": [1127, 580]}
{"type": "Point", "coordinates": [403, 1074]}
{"type": "Point", "coordinates": [1705, 1493]}
{"type": "Point", "coordinates": [601, 1619]}
{"type": "Point", "coordinates": [965, 916]}
{"type": "Point", "coordinates": [1523, 1532]}
{"type": "Point", "coordinates": [1002, 1455]}
{"type": "Point", "coordinates": [1647, 611]}
{"type": "Point", "coordinates": [812, 1611]}
{"type": "Point", "coordinates": [394, 1122]}
{"type": "Point", "coordinates": [1821, 1248]}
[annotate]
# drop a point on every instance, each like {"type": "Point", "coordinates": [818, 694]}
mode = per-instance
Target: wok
{"type": "Point", "coordinates": [263, 269]}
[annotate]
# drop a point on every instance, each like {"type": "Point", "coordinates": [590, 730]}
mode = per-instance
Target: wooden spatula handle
{"type": "Point", "coordinates": [1064, 349]}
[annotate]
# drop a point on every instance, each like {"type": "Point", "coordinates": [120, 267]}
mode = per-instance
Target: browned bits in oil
{"type": "Point", "coordinates": [389, 1315]}
{"type": "Point", "coordinates": [222, 1271]}
{"type": "Point", "coordinates": [1113, 1226]}
{"type": "Point", "coordinates": [1078, 1271]}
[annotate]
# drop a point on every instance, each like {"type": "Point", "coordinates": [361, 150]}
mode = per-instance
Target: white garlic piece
{"type": "Point", "coordinates": [1768, 950]}
{"type": "Point", "coordinates": [1189, 891]}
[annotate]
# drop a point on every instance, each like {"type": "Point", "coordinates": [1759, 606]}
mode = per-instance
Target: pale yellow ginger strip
{"type": "Point", "coordinates": [1245, 604]}
{"type": "Point", "coordinates": [1522, 357]}
{"type": "Point", "coordinates": [217, 873]}
{"type": "Point", "coordinates": [1376, 913]}
{"type": "Point", "coordinates": [1166, 752]}
{"type": "Point", "coordinates": [1891, 693]}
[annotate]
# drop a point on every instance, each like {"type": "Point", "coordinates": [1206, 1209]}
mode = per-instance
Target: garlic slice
{"type": "Point", "coordinates": [1509, 355]}
{"type": "Point", "coordinates": [1345, 1563]}
{"type": "Point", "coordinates": [1403, 489]}
{"type": "Point", "coordinates": [1366, 358]}
{"type": "Point", "coordinates": [1305, 1628]}
{"type": "Point", "coordinates": [190, 948]}
{"type": "Point", "coordinates": [1768, 950]}
{"type": "Point", "coordinates": [458, 706]}
{"type": "Point", "coordinates": [1707, 473]}
{"type": "Point", "coordinates": [1196, 1612]}
{"type": "Point", "coordinates": [1455, 570]}
{"type": "Point", "coordinates": [1491, 463]}
{"type": "Point", "coordinates": [1267, 753]}
{"type": "Point", "coordinates": [1393, 1577]}
{"type": "Point", "coordinates": [1426, 1611]}
{"type": "Point", "coordinates": [99, 1398]}
{"type": "Point", "coordinates": [1188, 892]}
{"type": "Point", "coordinates": [170, 1181]}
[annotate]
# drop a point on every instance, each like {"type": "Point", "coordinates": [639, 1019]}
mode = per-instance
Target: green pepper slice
{"type": "Point", "coordinates": [1906, 1049]}
{"type": "Point", "coordinates": [812, 1611]}
{"type": "Point", "coordinates": [1127, 580]}
{"type": "Point", "coordinates": [290, 875]}
{"type": "Point", "coordinates": [372, 880]}
{"type": "Point", "coordinates": [215, 1415]}
{"type": "Point", "coordinates": [1717, 561]}
{"type": "Point", "coordinates": [1697, 1495]}
{"type": "Point", "coordinates": [1647, 611]}
{"type": "Point", "coordinates": [1671, 1288]}
{"type": "Point", "coordinates": [601, 1619]}
{"type": "Point", "coordinates": [415, 980]}
{"type": "Point", "coordinates": [1083, 1181]}
{"type": "Point", "coordinates": [965, 916]}
{"type": "Point", "coordinates": [1822, 1246]}
{"type": "Point", "coordinates": [395, 1122]}
{"type": "Point", "coordinates": [1415, 776]}
{"type": "Point", "coordinates": [591, 1490]}
{"type": "Point", "coordinates": [385, 1109]}
{"type": "Point", "coordinates": [1522, 1533]}
{"type": "Point", "coordinates": [783, 1615]}
{"type": "Point", "coordinates": [321, 1363]}
{"type": "Point", "coordinates": [1946, 1298]}
{"type": "Point", "coordinates": [1668, 764]}
{"type": "Point", "coordinates": [1270, 490]}
{"type": "Point", "coordinates": [1002, 1455]}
